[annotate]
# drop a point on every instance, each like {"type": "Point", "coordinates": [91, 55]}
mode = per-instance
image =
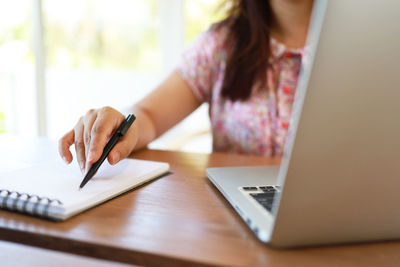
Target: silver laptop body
{"type": "Point", "coordinates": [339, 180]}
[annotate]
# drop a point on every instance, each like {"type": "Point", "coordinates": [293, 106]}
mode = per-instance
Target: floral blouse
{"type": "Point", "coordinates": [258, 125]}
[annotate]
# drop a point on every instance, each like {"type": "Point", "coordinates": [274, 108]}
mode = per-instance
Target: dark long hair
{"type": "Point", "coordinates": [250, 22]}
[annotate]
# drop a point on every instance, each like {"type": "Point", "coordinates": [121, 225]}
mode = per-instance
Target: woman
{"type": "Point", "coordinates": [245, 66]}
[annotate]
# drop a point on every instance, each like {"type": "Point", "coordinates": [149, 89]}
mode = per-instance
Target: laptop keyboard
{"type": "Point", "coordinates": [263, 194]}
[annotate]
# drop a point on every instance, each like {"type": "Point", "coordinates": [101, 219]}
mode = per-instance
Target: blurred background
{"type": "Point", "coordinates": [60, 58]}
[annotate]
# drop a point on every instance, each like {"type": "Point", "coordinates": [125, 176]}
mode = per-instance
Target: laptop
{"type": "Point", "coordinates": [339, 180]}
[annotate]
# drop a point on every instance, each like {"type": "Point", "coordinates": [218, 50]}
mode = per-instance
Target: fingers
{"type": "Point", "coordinates": [91, 134]}
{"type": "Point", "coordinates": [88, 122]}
{"type": "Point", "coordinates": [80, 145]}
{"type": "Point", "coordinates": [64, 144]}
{"type": "Point", "coordinates": [106, 123]}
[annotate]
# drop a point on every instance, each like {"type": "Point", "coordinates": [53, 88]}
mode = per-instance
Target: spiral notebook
{"type": "Point", "coordinates": [52, 191]}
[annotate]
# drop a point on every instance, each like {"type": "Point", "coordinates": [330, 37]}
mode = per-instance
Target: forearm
{"type": "Point", "coordinates": [145, 127]}
{"type": "Point", "coordinates": [164, 107]}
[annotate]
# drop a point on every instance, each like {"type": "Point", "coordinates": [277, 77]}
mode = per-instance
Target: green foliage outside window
{"type": "Point", "coordinates": [119, 34]}
{"type": "Point", "coordinates": [199, 15]}
{"type": "Point", "coordinates": [93, 41]}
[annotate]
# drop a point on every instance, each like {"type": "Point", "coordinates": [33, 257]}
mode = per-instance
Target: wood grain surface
{"type": "Point", "coordinates": [179, 219]}
{"type": "Point", "coordinates": [17, 255]}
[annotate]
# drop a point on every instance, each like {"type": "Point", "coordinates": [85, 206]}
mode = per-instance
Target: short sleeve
{"type": "Point", "coordinates": [200, 64]}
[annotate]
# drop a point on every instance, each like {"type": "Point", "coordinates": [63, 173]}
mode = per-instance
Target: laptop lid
{"type": "Point", "coordinates": [341, 169]}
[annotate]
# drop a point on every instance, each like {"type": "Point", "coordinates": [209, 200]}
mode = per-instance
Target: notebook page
{"type": "Point", "coordinates": [8, 165]}
{"type": "Point", "coordinates": [57, 180]}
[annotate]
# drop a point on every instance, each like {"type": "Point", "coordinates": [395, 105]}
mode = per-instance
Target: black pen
{"type": "Point", "coordinates": [123, 128]}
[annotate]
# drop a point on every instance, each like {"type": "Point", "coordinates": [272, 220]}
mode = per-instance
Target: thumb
{"type": "Point", "coordinates": [124, 147]}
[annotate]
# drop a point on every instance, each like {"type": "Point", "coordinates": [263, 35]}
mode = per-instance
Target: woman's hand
{"type": "Point", "coordinates": [91, 134]}
{"type": "Point", "coordinates": [168, 104]}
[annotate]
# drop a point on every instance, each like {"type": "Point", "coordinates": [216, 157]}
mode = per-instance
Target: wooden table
{"type": "Point", "coordinates": [179, 219]}
{"type": "Point", "coordinates": [17, 255]}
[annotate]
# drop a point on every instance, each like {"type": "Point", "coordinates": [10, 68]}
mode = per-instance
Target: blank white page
{"type": "Point", "coordinates": [57, 180]}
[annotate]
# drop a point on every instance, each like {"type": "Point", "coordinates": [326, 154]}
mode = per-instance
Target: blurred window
{"type": "Point", "coordinates": [97, 52]}
{"type": "Point", "coordinates": [199, 15]}
{"type": "Point", "coordinates": [16, 65]}
{"type": "Point", "coordinates": [118, 34]}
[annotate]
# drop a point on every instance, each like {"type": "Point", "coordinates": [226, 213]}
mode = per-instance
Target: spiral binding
{"type": "Point", "coordinates": [12, 199]}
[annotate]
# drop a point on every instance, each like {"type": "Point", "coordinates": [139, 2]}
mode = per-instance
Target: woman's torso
{"type": "Point", "coordinates": [258, 125]}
